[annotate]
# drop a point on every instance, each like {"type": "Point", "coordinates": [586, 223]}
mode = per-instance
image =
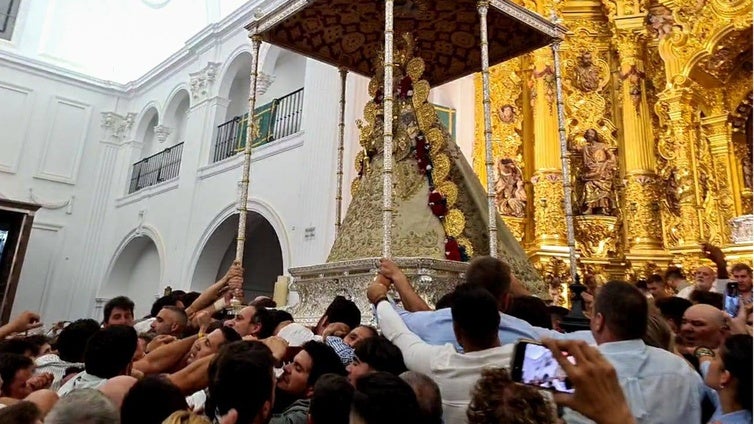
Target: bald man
{"type": "Point", "coordinates": [705, 279]}
{"type": "Point", "coordinates": [703, 325]}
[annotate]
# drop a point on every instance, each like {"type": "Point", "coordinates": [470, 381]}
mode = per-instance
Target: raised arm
{"type": "Point", "coordinates": [193, 377]}
{"type": "Point", "coordinates": [164, 357]}
{"type": "Point", "coordinates": [410, 299]}
{"type": "Point", "coordinates": [211, 294]}
{"type": "Point", "coordinates": [25, 321]}
{"type": "Point", "coordinates": [416, 353]}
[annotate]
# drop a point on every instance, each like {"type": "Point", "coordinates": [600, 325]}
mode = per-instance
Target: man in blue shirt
{"type": "Point", "coordinates": [436, 327]}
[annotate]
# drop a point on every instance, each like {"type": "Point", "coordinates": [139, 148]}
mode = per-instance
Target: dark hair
{"type": "Point", "coordinates": [19, 346]}
{"type": "Point", "coordinates": [530, 309]}
{"type": "Point", "coordinates": [741, 267]}
{"type": "Point", "coordinates": [10, 364]}
{"type": "Point", "coordinates": [382, 397]}
{"type": "Point", "coordinates": [736, 356]}
{"type": "Point", "coordinates": [444, 302]}
{"type": "Point", "coordinates": [673, 308]}
{"type": "Point", "coordinates": [121, 302]}
{"type": "Point", "coordinates": [475, 312]}
{"type": "Point", "coordinates": [264, 302]}
{"type": "Point", "coordinates": [371, 330]}
{"type": "Point", "coordinates": [380, 354]}
{"type": "Point", "coordinates": [182, 317]}
{"type": "Point", "coordinates": [20, 413]}
{"type": "Point", "coordinates": [189, 298]}
{"type": "Point", "coordinates": [38, 340]}
{"type": "Point", "coordinates": [110, 350]}
{"type": "Point", "coordinates": [277, 316]}
{"type": "Point", "coordinates": [641, 284]}
{"type": "Point", "coordinates": [427, 394]}
{"type": "Point", "coordinates": [699, 297]}
{"type": "Point", "coordinates": [71, 341]}
{"type": "Point", "coordinates": [331, 401]}
{"type": "Point", "coordinates": [229, 334]}
{"type": "Point", "coordinates": [240, 377]}
{"type": "Point", "coordinates": [496, 398]}
{"type": "Point", "coordinates": [169, 300]}
{"type": "Point", "coordinates": [624, 309]}
{"type": "Point", "coordinates": [345, 311]}
{"type": "Point", "coordinates": [491, 274]}
{"type": "Point", "coordinates": [264, 319]}
{"type": "Point", "coordinates": [674, 273]}
{"type": "Point", "coordinates": [151, 400]}
{"type": "Point", "coordinates": [324, 361]}
{"type": "Point", "coordinates": [655, 278]}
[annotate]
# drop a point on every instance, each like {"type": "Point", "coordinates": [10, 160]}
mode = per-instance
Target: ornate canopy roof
{"type": "Point", "coordinates": [349, 33]}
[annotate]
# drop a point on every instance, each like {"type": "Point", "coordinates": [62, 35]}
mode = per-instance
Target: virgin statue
{"type": "Point", "coordinates": [439, 205]}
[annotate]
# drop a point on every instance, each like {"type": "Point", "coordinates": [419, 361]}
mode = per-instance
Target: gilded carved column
{"type": "Point", "coordinates": [718, 134]}
{"type": "Point", "coordinates": [549, 217]}
{"type": "Point", "coordinates": [678, 113]}
{"type": "Point", "coordinates": [642, 211]}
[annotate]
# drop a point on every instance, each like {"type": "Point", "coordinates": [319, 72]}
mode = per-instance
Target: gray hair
{"type": "Point", "coordinates": [83, 406]}
{"type": "Point", "coordinates": [427, 394]}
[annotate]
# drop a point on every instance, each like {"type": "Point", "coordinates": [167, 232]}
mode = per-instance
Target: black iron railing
{"type": "Point", "coordinates": [277, 119]}
{"type": "Point", "coordinates": [157, 168]}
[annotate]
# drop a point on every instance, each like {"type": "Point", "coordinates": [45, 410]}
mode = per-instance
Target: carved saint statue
{"type": "Point", "coordinates": [586, 74]}
{"type": "Point", "coordinates": [747, 171]}
{"type": "Point", "coordinates": [597, 175]}
{"type": "Point", "coordinates": [509, 189]}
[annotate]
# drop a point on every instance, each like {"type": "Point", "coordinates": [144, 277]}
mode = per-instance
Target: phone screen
{"type": "Point", "coordinates": [534, 365]}
{"type": "Point", "coordinates": [732, 302]}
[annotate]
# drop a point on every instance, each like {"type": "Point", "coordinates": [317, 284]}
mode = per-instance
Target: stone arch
{"type": "Point", "coordinates": [267, 249]}
{"type": "Point", "coordinates": [722, 48]}
{"type": "Point", "coordinates": [234, 85]}
{"type": "Point", "coordinates": [136, 270]}
{"type": "Point", "coordinates": [144, 133]}
{"type": "Point", "coordinates": [175, 115]}
{"type": "Point", "coordinates": [288, 70]}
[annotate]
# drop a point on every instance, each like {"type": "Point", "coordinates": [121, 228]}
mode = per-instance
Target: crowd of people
{"type": "Point", "coordinates": [659, 352]}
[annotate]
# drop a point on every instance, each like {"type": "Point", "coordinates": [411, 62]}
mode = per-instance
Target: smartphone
{"type": "Point", "coordinates": [534, 365]}
{"type": "Point", "coordinates": [732, 300]}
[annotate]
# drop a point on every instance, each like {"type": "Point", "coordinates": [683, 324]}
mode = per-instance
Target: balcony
{"type": "Point", "coordinates": [275, 120]}
{"type": "Point", "coordinates": [157, 168]}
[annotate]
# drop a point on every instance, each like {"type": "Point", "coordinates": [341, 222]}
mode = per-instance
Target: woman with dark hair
{"type": "Point", "coordinates": [730, 375]}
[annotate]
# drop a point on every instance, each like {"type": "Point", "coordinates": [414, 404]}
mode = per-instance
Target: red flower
{"type": "Point", "coordinates": [452, 251]}
{"type": "Point", "coordinates": [438, 204]}
{"type": "Point", "coordinates": [405, 87]}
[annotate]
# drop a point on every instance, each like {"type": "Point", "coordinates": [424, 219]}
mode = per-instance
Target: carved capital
{"type": "Point", "coordinates": [264, 81]}
{"type": "Point", "coordinates": [117, 126]}
{"type": "Point", "coordinates": [162, 132]}
{"type": "Point", "coordinates": [201, 81]}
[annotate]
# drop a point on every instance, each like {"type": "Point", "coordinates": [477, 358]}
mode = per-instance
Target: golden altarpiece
{"type": "Point", "coordinates": [658, 100]}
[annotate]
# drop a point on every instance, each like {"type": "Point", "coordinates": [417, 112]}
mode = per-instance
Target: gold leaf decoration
{"type": "Point", "coordinates": [440, 167]}
{"type": "Point", "coordinates": [466, 243]}
{"type": "Point", "coordinates": [436, 140]}
{"type": "Point", "coordinates": [415, 68]}
{"type": "Point", "coordinates": [355, 184]}
{"type": "Point", "coordinates": [454, 223]}
{"type": "Point", "coordinates": [450, 191]}
{"type": "Point", "coordinates": [421, 93]}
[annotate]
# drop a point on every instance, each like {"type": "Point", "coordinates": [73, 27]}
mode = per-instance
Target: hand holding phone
{"type": "Point", "coordinates": [597, 393]}
{"type": "Point", "coordinates": [732, 299]}
{"type": "Point", "coordinates": [534, 365]}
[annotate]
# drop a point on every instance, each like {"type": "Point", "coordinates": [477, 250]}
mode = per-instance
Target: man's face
{"type": "Point", "coordinates": [206, 346]}
{"type": "Point", "coordinates": [357, 369]}
{"type": "Point", "coordinates": [744, 280]}
{"type": "Point", "coordinates": [120, 316]}
{"type": "Point", "coordinates": [700, 328]}
{"type": "Point", "coordinates": [356, 335]}
{"type": "Point", "coordinates": [163, 322]}
{"type": "Point", "coordinates": [704, 277]}
{"type": "Point", "coordinates": [242, 322]}
{"type": "Point", "coordinates": [294, 379]}
{"type": "Point", "coordinates": [656, 288]}
{"type": "Point", "coordinates": [18, 388]}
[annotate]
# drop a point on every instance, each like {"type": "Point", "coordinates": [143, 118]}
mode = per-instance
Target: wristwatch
{"type": "Point", "coordinates": [704, 351]}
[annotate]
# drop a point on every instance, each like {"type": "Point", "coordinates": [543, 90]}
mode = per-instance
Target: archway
{"type": "Point", "coordinates": [176, 115]}
{"type": "Point", "coordinates": [135, 273]}
{"type": "Point", "coordinates": [145, 131]}
{"type": "Point", "coordinates": [234, 86]}
{"type": "Point", "coordinates": [263, 258]}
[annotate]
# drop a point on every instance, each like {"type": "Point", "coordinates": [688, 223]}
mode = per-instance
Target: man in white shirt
{"type": "Point", "coordinates": [70, 351]}
{"type": "Point", "coordinates": [475, 324]}
{"type": "Point", "coordinates": [660, 387]}
{"type": "Point", "coordinates": [109, 353]}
